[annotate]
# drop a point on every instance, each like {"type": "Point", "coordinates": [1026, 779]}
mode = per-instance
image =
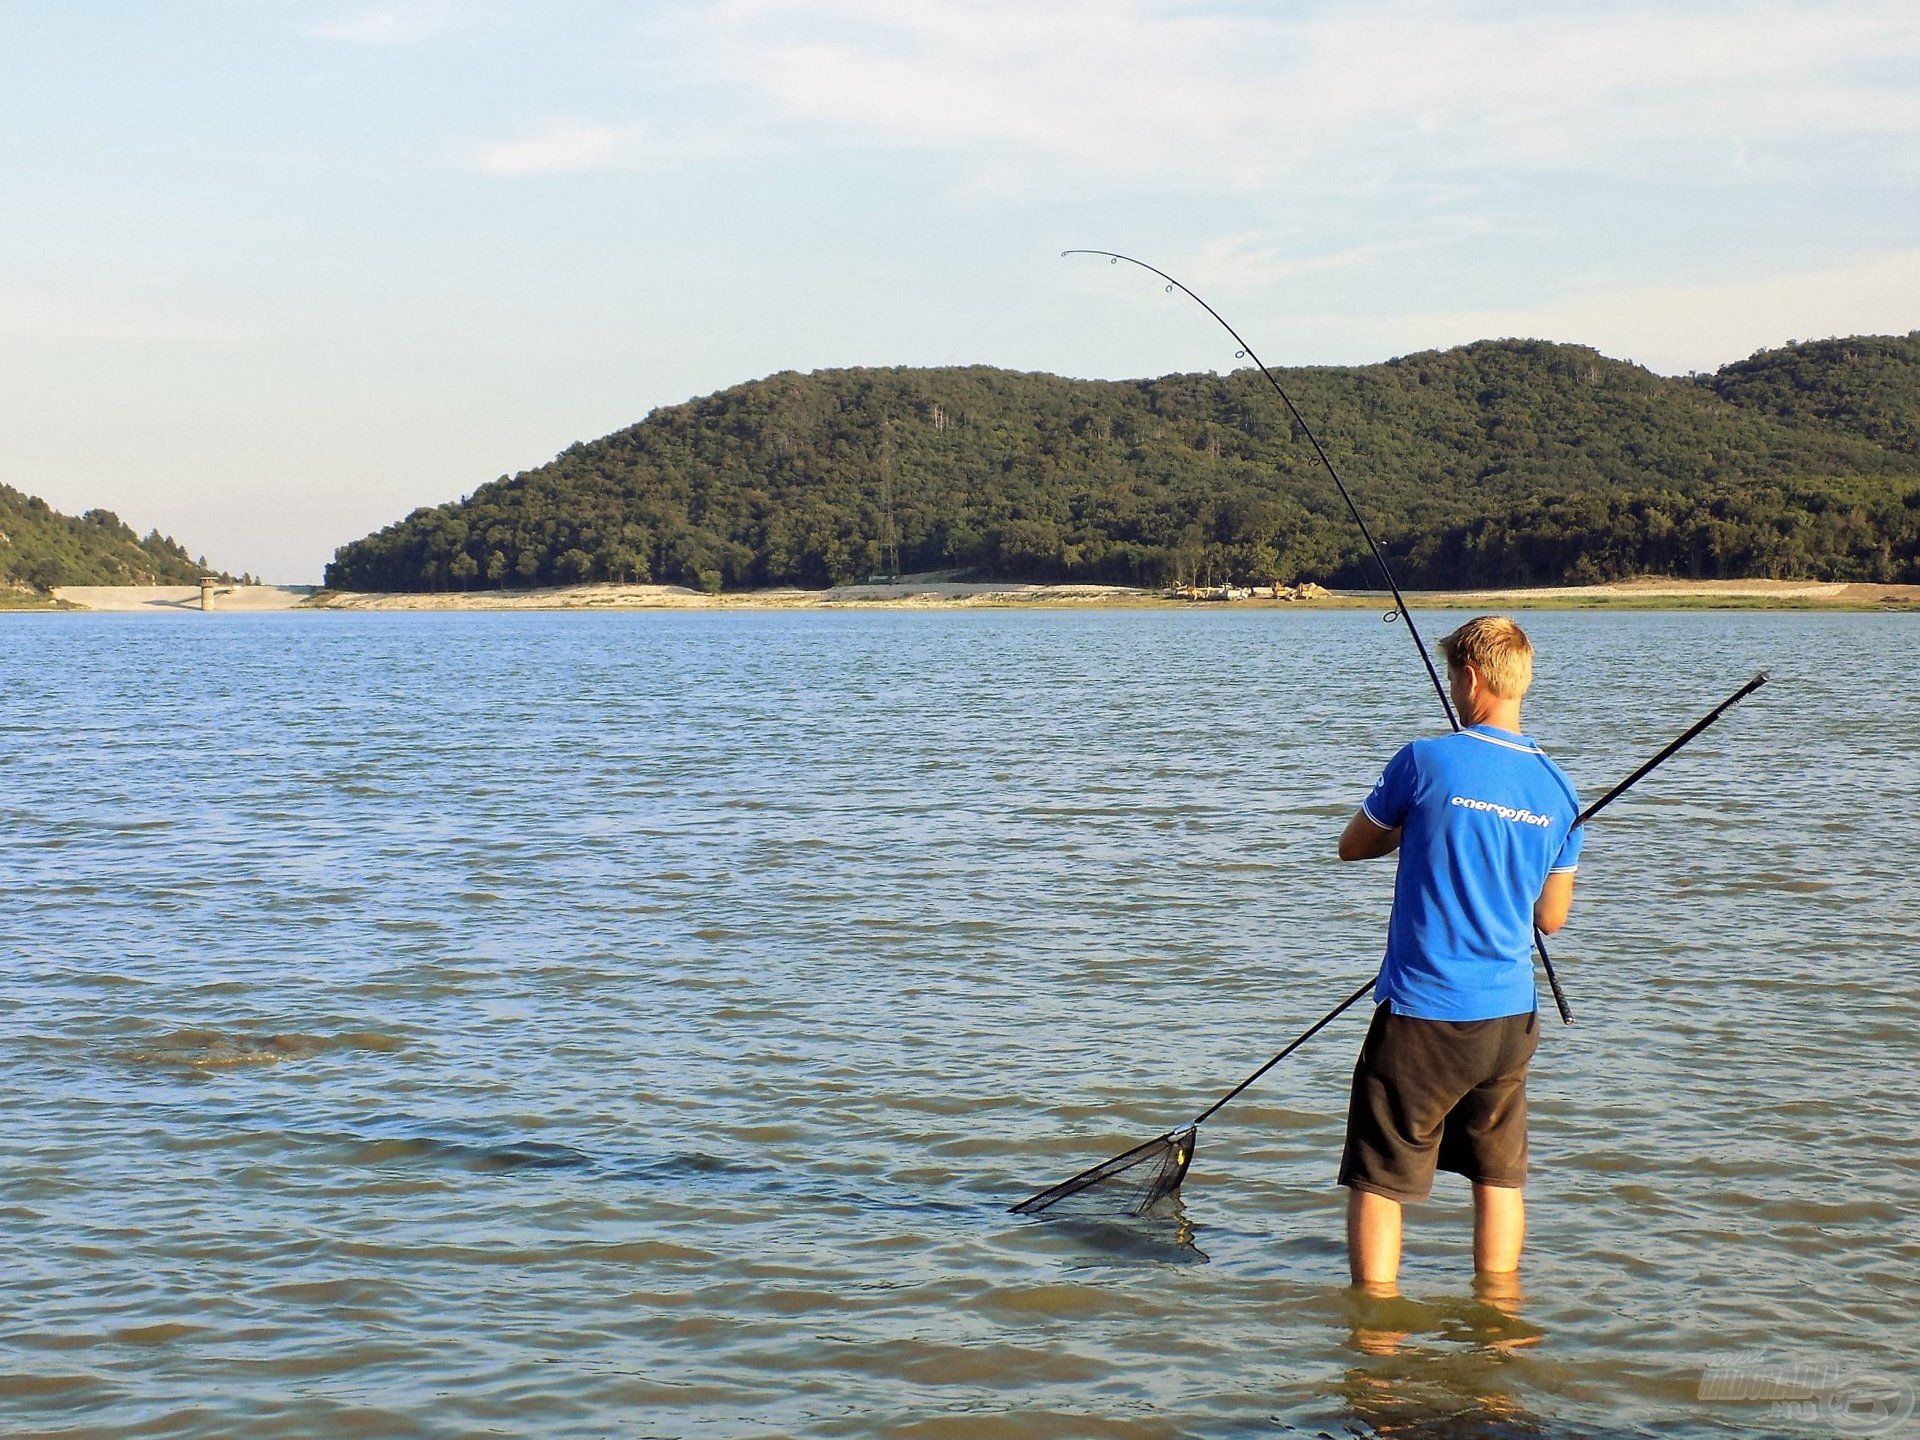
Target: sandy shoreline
{"type": "Point", "coordinates": [1650, 593]}
{"type": "Point", "coordinates": [1661, 593]}
{"type": "Point", "coordinates": [943, 593]}
{"type": "Point", "coordinates": [132, 598]}
{"type": "Point", "coordinates": [910, 593]}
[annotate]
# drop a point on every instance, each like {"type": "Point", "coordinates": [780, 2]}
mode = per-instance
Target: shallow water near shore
{"type": "Point", "coordinates": [637, 1024]}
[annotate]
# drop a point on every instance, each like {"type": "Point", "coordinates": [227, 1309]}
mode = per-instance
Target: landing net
{"type": "Point", "coordinates": [1131, 1183]}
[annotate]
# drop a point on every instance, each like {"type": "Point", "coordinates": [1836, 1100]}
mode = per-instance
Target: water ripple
{"type": "Point", "coordinates": [637, 1024]}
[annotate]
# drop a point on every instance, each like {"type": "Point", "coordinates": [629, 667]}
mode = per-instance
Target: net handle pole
{"type": "Point", "coordinates": [1539, 940]}
{"type": "Point", "coordinates": [1666, 753]}
{"type": "Point", "coordinates": [1685, 738]}
{"type": "Point", "coordinates": [1311, 1031]}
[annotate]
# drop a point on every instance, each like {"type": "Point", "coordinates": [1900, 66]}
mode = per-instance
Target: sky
{"type": "Point", "coordinates": [274, 273]}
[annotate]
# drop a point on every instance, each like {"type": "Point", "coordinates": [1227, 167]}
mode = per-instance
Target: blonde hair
{"type": "Point", "coordinates": [1498, 649]}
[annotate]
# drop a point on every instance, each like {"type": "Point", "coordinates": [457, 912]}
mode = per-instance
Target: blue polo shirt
{"type": "Point", "coordinates": [1485, 818]}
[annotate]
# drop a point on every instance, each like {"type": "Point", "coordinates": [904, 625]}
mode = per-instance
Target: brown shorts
{"type": "Point", "coordinates": [1446, 1094]}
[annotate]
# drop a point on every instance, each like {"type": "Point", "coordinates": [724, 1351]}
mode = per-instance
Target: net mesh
{"type": "Point", "coordinates": [1131, 1183]}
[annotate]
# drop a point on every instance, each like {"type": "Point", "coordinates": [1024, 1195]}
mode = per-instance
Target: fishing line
{"type": "Point", "coordinates": [1400, 609]}
{"type": "Point", "coordinates": [1114, 257]}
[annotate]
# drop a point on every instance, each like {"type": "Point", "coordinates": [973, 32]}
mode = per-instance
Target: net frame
{"type": "Point", "coordinates": [1170, 1153]}
{"type": "Point", "coordinates": [1167, 1180]}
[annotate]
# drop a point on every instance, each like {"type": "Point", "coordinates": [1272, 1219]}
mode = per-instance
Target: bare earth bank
{"type": "Point", "coordinates": [1651, 593]}
{"type": "Point", "coordinates": [943, 593]}
{"type": "Point", "coordinates": [940, 593]}
{"type": "Point", "coordinates": [180, 597]}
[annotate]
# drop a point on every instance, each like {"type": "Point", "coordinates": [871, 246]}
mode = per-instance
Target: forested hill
{"type": "Point", "coordinates": [1864, 385]}
{"type": "Point", "coordinates": [41, 547]}
{"type": "Point", "coordinates": [1498, 462]}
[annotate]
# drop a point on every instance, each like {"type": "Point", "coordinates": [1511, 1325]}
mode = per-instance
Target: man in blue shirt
{"type": "Point", "coordinates": [1484, 825]}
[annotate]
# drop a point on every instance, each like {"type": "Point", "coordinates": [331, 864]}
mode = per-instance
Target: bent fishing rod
{"type": "Point", "coordinates": [1183, 1136]}
{"type": "Point", "coordinates": [1114, 257]}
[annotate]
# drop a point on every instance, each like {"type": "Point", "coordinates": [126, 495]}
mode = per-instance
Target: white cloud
{"type": "Point", "coordinates": [559, 145]}
{"type": "Point", "coordinates": [1249, 261]}
{"type": "Point", "coordinates": [1671, 326]}
{"type": "Point", "coordinates": [1370, 129]}
{"type": "Point", "coordinates": [382, 26]}
{"type": "Point", "coordinates": [1134, 89]}
{"type": "Point", "coordinates": [562, 144]}
{"type": "Point", "coordinates": [1091, 95]}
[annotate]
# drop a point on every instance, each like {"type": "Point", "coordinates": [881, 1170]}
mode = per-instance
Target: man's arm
{"type": "Point", "coordinates": [1364, 840]}
{"type": "Point", "coordinates": [1556, 899]}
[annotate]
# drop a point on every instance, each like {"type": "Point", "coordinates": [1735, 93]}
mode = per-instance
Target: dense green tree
{"type": "Point", "coordinates": [41, 547]}
{"type": "Point", "coordinates": [1511, 461]}
{"type": "Point", "coordinates": [1863, 385]}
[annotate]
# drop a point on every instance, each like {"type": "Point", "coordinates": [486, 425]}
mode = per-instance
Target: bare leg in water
{"type": "Point", "coordinates": [1374, 1224]}
{"type": "Point", "coordinates": [1373, 1238]}
{"type": "Point", "coordinates": [1499, 1229]}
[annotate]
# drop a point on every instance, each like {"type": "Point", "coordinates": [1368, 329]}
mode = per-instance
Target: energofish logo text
{"type": "Point", "coordinates": [1505, 812]}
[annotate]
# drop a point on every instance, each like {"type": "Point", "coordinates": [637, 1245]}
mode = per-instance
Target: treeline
{"type": "Point", "coordinates": [1502, 461]}
{"type": "Point", "coordinates": [40, 547]}
{"type": "Point", "coordinates": [1834, 530]}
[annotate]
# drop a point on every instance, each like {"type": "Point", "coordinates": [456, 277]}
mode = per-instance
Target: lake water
{"type": "Point", "coordinates": [636, 1025]}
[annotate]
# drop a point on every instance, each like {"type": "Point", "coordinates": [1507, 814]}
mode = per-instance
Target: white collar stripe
{"type": "Point", "coordinates": [1509, 744]}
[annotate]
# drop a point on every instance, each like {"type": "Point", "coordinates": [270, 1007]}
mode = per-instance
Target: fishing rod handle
{"type": "Point", "coordinates": [1553, 980]}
